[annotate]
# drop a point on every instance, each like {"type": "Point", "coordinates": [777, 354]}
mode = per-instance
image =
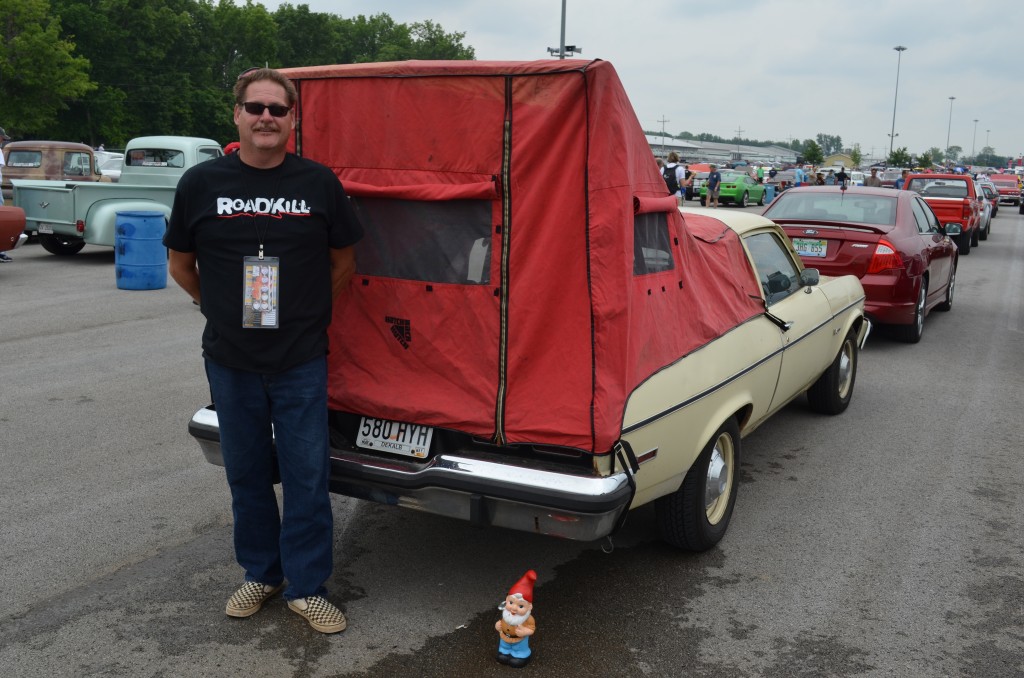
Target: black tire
{"type": "Point", "coordinates": [760, 201]}
{"type": "Point", "coordinates": [59, 245]}
{"type": "Point", "coordinates": [975, 236]}
{"type": "Point", "coordinates": [947, 303]}
{"type": "Point", "coordinates": [745, 200]}
{"type": "Point", "coordinates": [911, 334]}
{"type": "Point", "coordinates": [1020, 210]}
{"type": "Point", "coordinates": [686, 519]}
{"type": "Point", "coordinates": [963, 244]}
{"type": "Point", "coordinates": [832, 392]}
{"type": "Point", "coordinates": [703, 202]}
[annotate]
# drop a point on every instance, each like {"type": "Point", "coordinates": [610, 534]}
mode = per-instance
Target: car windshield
{"type": "Point", "coordinates": [732, 176]}
{"type": "Point", "coordinates": [841, 206]}
{"type": "Point", "coordinates": [938, 188]}
{"type": "Point", "coordinates": [1004, 182]}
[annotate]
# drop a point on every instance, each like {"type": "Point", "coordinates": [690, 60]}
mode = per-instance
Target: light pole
{"type": "Point", "coordinates": [949, 126]}
{"type": "Point", "coordinates": [564, 49]}
{"type": "Point", "coordinates": [900, 49]}
{"type": "Point", "coordinates": [973, 138]}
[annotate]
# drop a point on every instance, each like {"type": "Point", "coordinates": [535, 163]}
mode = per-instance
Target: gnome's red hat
{"type": "Point", "coordinates": [525, 586]}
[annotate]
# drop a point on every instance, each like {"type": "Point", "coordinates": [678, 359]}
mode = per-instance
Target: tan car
{"type": "Point", "coordinates": [49, 160]}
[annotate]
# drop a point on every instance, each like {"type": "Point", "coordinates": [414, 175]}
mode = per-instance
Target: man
{"type": "Point", "coordinates": [714, 185]}
{"type": "Point", "coordinates": [674, 175]}
{"type": "Point", "coordinates": [902, 180]}
{"type": "Point", "coordinates": [842, 177]}
{"type": "Point", "coordinates": [262, 239]}
{"type": "Point", "coordinates": [873, 179]}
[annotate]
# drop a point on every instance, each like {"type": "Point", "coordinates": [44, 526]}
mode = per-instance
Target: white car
{"type": "Point", "coordinates": [111, 167]}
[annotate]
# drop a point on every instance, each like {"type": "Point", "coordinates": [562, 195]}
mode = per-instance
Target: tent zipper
{"type": "Point", "coordinates": [506, 241]}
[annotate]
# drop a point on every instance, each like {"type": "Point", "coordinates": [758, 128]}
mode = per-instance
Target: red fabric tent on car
{"type": "Point", "coordinates": [524, 268]}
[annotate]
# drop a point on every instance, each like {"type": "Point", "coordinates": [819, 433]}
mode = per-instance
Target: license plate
{"type": "Point", "coordinates": [806, 247]}
{"type": "Point", "coordinates": [46, 228]}
{"type": "Point", "coordinates": [383, 435]}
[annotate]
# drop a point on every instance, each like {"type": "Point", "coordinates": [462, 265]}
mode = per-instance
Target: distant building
{"type": "Point", "coordinates": [837, 159]}
{"type": "Point", "coordinates": [692, 150]}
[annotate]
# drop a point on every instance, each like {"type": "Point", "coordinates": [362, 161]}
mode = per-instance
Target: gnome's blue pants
{"type": "Point", "coordinates": [520, 650]}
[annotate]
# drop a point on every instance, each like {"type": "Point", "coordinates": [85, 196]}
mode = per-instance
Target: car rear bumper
{"type": "Point", "coordinates": [485, 490]}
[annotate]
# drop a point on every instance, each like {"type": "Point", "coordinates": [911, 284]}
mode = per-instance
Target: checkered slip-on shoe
{"type": "Point", "coordinates": [320, 613]}
{"type": "Point", "coordinates": [248, 599]}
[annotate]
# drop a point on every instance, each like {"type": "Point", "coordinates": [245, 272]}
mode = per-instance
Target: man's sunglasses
{"type": "Point", "coordinates": [256, 108]}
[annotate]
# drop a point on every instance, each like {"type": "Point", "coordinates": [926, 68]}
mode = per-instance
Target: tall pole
{"type": "Point", "coordinates": [973, 139]}
{"type": "Point", "coordinates": [949, 126]}
{"type": "Point", "coordinates": [561, 52]}
{"type": "Point", "coordinates": [900, 49]}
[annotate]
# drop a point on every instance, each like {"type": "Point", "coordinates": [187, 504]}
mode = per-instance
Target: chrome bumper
{"type": "Point", "coordinates": [484, 491]}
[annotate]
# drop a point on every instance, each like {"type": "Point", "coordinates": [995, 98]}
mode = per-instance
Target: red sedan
{"type": "Point", "coordinates": [889, 239]}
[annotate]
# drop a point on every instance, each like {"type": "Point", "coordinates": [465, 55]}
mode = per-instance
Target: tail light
{"type": "Point", "coordinates": [884, 258]}
{"type": "Point", "coordinates": [967, 210]}
{"type": "Point", "coordinates": [80, 226]}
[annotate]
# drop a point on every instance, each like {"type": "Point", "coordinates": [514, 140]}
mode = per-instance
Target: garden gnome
{"type": "Point", "coordinates": [516, 624]}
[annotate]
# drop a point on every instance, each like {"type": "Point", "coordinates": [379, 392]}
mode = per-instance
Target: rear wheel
{"type": "Point", "coordinates": [832, 392]}
{"type": "Point", "coordinates": [760, 201]}
{"type": "Point", "coordinates": [911, 333]}
{"type": "Point", "coordinates": [59, 245]}
{"type": "Point", "coordinates": [947, 303]}
{"type": "Point", "coordinates": [975, 235]}
{"type": "Point", "coordinates": [695, 516]}
{"type": "Point", "coordinates": [984, 234]}
{"type": "Point", "coordinates": [745, 200]}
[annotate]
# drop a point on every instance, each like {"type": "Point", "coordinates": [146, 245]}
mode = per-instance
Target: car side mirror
{"type": "Point", "coordinates": [951, 229]}
{"type": "Point", "coordinates": [809, 277]}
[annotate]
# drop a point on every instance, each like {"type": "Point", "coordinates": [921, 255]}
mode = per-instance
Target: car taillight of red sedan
{"type": "Point", "coordinates": [884, 258]}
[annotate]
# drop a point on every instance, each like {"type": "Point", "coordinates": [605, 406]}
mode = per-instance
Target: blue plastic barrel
{"type": "Point", "coordinates": [140, 258]}
{"type": "Point", "coordinates": [769, 192]}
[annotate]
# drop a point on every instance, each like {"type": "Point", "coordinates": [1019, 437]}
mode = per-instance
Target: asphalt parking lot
{"type": "Point", "coordinates": [888, 541]}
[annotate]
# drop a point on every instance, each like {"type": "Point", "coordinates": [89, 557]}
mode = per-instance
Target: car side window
{"type": "Point", "coordinates": [776, 269]}
{"type": "Point", "coordinates": [927, 222]}
{"type": "Point", "coordinates": [921, 217]}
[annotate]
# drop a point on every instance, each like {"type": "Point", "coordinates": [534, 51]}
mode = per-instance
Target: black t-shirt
{"type": "Point", "coordinates": [222, 209]}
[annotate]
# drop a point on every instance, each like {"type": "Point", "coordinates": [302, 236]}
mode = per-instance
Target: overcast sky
{"type": "Point", "coordinates": [775, 69]}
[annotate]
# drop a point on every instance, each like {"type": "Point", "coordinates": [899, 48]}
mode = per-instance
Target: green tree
{"type": "Point", "coordinates": [925, 159]}
{"type": "Point", "coordinates": [952, 153]}
{"type": "Point", "coordinates": [899, 158]}
{"type": "Point", "coordinates": [812, 152]}
{"type": "Point", "coordinates": [429, 41]}
{"type": "Point", "coordinates": [856, 156]}
{"type": "Point", "coordinates": [830, 143]}
{"type": "Point", "coordinates": [40, 73]}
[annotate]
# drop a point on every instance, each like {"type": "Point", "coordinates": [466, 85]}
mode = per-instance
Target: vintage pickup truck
{"type": "Point", "coordinates": [536, 337]}
{"type": "Point", "coordinates": [69, 215]}
{"type": "Point", "coordinates": [48, 161]}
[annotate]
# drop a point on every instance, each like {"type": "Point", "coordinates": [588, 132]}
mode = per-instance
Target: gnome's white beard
{"type": "Point", "coordinates": [514, 619]}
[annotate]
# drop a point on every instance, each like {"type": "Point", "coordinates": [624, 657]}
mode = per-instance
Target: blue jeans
{"type": "Point", "coordinates": [296, 545]}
